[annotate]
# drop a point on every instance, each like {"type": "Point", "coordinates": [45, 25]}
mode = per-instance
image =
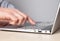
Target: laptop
{"type": "Point", "coordinates": [40, 27]}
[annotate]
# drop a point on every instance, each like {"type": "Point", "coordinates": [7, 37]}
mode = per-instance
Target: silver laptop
{"type": "Point", "coordinates": [47, 27]}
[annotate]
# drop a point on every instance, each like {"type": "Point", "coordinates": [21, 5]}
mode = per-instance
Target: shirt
{"type": "Point", "coordinates": [6, 4]}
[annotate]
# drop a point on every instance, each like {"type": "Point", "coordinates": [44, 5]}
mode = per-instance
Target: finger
{"type": "Point", "coordinates": [19, 17]}
{"type": "Point", "coordinates": [26, 17]}
{"type": "Point", "coordinates": [19, 12]}
{"type": "Point", "coordinates": [13, 19]}
{"type": "Point", "coordinates": [3, 18]}
{"type": "Point", "coordinates": [3, 22]}
{"type": "Point", "coordinates": [7, 13]}
{"type": "Point", "coordinates": [31, 21]}
{"type": "Point", "coordinates": [14, 14]}
{"type": "Point", "coordinates": [22, 14]}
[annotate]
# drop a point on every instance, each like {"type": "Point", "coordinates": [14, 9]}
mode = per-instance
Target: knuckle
{"type": "Point", "coordinates": [25, 17]}
{"type": "Point", "coordinates": [21, 18]}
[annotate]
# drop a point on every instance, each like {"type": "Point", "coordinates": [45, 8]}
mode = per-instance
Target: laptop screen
{"type": "Point", "coordinates": [39, 10]}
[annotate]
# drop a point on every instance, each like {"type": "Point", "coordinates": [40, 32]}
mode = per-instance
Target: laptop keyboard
{"type": "Point", "coordinates": [43, 25]}
{"type": "Point", "coordinates": [39, 25]}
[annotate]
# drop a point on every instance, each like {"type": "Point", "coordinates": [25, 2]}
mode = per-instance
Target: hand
{"type": "Point", "coordinates": [13, 17]}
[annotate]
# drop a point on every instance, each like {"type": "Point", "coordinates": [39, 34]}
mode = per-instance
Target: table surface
{"type": "Point", "coordinates": [18, 36]}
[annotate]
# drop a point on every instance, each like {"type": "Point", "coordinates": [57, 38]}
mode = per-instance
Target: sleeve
{"type": "Point", "coordinates": [6, 4]}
